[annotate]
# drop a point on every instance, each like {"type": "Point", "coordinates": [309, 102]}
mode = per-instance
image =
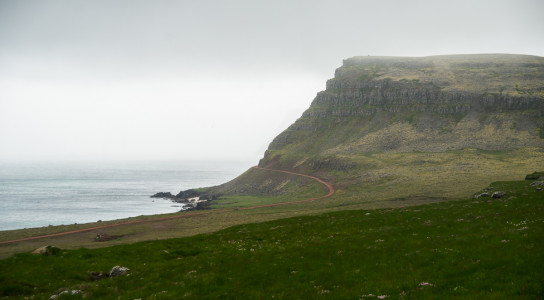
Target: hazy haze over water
{"type": "Point", "coordinates": [190, 80]}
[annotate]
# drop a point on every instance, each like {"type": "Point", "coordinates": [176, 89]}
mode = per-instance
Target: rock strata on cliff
{"type": "Point", "coordinates": [429, 104]}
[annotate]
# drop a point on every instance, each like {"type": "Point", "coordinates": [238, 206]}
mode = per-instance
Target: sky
{"type": "Point", "coordinates": [209, 80]}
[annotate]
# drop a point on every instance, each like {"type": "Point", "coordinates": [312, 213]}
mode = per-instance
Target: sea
{"type": "Point", "coordinates": [43, 194]}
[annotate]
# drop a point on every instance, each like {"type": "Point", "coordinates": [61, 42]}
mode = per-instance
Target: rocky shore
{"type": "Point", "coordinates": [191, 199]}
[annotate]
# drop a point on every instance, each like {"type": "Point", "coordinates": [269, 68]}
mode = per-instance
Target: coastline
{"type": "Point", "coordinates": [35, 195]}
{"type": "Point", "coordinates": [11, 234]}
{"type": "Point", "coordinates": [82, 236]}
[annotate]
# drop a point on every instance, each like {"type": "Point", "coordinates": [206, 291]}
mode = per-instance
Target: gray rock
{"type": "Point", "coordinates": [481, 195]}
{"type": "Point", "coordinates": [164, 195]}
{"type": "Point", "coordinates": [537, 183]}
{"type": "Point", "coordinates": [498, 194]}
{"type": "Point", "coordinates": [118, 271]}
{"type": "Point", "coordinates": [66, 292]}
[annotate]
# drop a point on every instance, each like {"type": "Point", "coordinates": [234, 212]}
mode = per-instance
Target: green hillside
{"type": "Point", "coordinates": [401, 128]}
{"type": "Point", "coordinates": [483, 248]}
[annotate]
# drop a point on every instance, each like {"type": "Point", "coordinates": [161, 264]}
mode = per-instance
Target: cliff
{"type": "Point", "coordinates": [429, 104]}
{"type": "Point", "coordinates": [391, 131]}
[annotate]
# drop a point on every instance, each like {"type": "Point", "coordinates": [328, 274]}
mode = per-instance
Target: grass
{"type": "Point", "coordinates": [312, 189]}
{"type": "Point", "coordinates": [238, 201]}
{"type": "Point", "coordinates": [444, 175]}
{"type": "Point", "coordinates": [483, 248]}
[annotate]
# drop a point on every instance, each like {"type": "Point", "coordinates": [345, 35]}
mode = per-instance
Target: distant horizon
{"type": "Point", "coordinates": [166, 163]}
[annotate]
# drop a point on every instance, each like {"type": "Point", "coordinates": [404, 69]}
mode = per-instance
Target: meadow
{"type": "Point", "coordinates": [469, 249]}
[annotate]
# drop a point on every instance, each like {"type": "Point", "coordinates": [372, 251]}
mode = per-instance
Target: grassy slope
{"type": "Point", "coordinates": [375, 177]}
{"type": "Point", "coordinates": [484, 248]}
{"type": "Point", "coordinates": [374, 153]}
{"type": "Point", "coordinates": [258, 187]}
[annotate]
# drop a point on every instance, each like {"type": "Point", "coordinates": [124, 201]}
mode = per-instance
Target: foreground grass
{"type": "Point", "coordinates": [484, 248]}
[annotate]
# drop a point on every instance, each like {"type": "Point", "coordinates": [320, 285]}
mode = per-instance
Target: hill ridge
{"type": "Point", "coordinates": [438, 103]}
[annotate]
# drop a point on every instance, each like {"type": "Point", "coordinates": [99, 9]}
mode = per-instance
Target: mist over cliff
{"type": "Point", "coordinates": [431, 104]}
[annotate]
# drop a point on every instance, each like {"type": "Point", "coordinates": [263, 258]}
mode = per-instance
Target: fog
{"type": "Point", "coordinates": [209, 80]}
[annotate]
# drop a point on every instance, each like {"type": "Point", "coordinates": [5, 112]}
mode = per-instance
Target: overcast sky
{"type": "Point", "coordinates": [209, 80]}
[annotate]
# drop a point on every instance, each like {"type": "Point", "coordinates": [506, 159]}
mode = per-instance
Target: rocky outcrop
{"type": "Point", "coordinates": [498, 194]}
{"type": "Point", "coordinates": [192, 199]}
{"type": "Point", "coordinates": [164, 195]}
{"type": "Point", "coordinates": [429, 104]}
{"type": "Point", "coordinates": [185, 196]}
{"type": "Point", "coordinates": [199, 205]}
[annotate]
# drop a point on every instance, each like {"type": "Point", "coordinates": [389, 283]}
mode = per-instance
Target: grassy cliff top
{"type": "Point", "coordinates": [506, 74]}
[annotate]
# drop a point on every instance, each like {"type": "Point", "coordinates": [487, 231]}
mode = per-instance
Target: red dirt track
{"type": "Point", "coordinates": [329, 187]}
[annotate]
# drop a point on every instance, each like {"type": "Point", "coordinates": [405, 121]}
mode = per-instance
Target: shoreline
{"type": "Point", "coordinates": [101, 217]}
{"type": "Point", "coordinates": [76, 226]}
{"type": "Point", "coordinates": [39, 195]}
{"type": "Point", "coordinates": [178, 215]}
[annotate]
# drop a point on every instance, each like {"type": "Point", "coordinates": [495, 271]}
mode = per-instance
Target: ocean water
{"type": "Point", "coordinates": [42, 194]}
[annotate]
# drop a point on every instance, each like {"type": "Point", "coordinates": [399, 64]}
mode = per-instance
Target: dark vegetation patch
{"type": "Point", "coordinates": [104, 237]}
{"type": "Point", "coordinates": [534, 176]}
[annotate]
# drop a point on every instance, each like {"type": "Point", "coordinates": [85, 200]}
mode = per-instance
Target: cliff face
{"type": "Point", "coordinates": [429, 104]}
{"type": "Point", "coordinates": [391, 131]}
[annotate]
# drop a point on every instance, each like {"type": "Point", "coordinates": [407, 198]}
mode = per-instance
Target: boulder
{"type": "Point", "coordinates": [118, 271]}
{"type": "Point", "coordinates": [537, 183]}
{"type": "Point", "coordinates": [498, 194]}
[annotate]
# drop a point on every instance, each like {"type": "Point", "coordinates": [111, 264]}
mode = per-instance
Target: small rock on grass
{"type": "Point", "coordinates": [118, 271]}
{"type": "Point", "coordinates": [66, 292]}
{"type": "Point", "coordinates": [115, 271]}
{"type": "Point", "coordinates": [498, 194]}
